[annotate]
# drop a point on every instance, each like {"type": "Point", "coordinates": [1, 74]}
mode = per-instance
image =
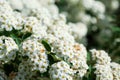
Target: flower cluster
{"type": "Point", "coordinates": [36, 59]}
{"type": "Point", "coordinates": [61, 71]}
{"type": "Point", "coordinates": [79, 60]}
{"type": "Point", "coordinates": [7, 19]}
{"type": "Point", "coordinates": [102, 66]}
{"type": "Point", "coordinates": [47, 43]}
{"type": "Point", "coordinates": [36, 54]}
{"type": "Point", "coordinates": [101, 57]}
{"type": "Point", "coordinates": [112, 6]}
{"type": "Point", "coordinates": [105, 69]}
{"type": "Point", "coordinates": [78, 30]}
{"type": "Point", "coordinates": [103, 72]}
{"type": "Point", "coordinates": [8, 49]}
{"type": "Point", "coordinates": [26, 6]}
{"type": "Point", "coordinates": [115, 70]}
{"type": "Point", "coordinates": [97, 8]}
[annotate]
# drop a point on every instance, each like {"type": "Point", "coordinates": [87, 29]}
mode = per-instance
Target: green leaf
{"type": "Point", "coordinates": [115, 29]}
{"type": "Point", "coordinates": [56, 58]}
{"type": "Point", "coordinates": [88, 57]}
{"type": "Point", "coordinates": [46, 45]}
{"type": "Point", "coordinates": [17, 40]}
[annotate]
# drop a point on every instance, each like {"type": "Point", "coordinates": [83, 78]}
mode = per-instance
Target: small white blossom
{"type": "Point", "coordinates": [32, 25]}
{"type": "Point", "coordinates": [8, 49]}
{"type": "Point", "coordinates": [78, 30]}
{"type": "Point", "coordinates": [36, 54]}
{"type": "Point", "coordinates": [99, 9]}
{"type": "Point", "coordinates": [60, 71]}
{"type": "Point", "coordinates": [101, 57]}
{"type": "Point", "coordinates": [103, 72]}
{"type": "Point", "coordinates": [79, 60]}
{"type": "Point", "coordinates": [24, 71]}
{"type": "Point", "coordinates": [16, 4]}
{"type": "Point", "coordinates": [43, 15]}
{"type": "Point", "coordinates": [102, 66]}
{"type": "Point", "coordinates": [7, 19]}
{"type": "Point", "coordinates": [114, 4]}
{"type": "Point", "coordinates": [88, 3]}
{"type": "Point", "coordinates": [115, 70]}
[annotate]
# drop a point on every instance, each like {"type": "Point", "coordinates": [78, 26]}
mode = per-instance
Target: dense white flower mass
{"type": "Point", "coordinates": [99, 9]}
{"type": "Point", "coordinates": [36, 54]}
{"type": "Point", "coordinates": [114, 4]}
{"type": "Point", "coordinates": [63, 49]}
{"type": "Point", "coordinates": [88, 4]}
{"type": "Point", "coordinates": [7, 20]}
{"type": "Point", "coordinates": [115, 70]}
{"type": "Point", "coordinates": [25, 72]}
{"type": "Point", "coordinates": [96, 7]}
{"type": "Point", "coordinates": [101, 57]}
{"type": "Point", "coordinates": [103, 70]}
{"type": "Point", "coordinates": [43, 15]}
{"type": "Point", "coordinates": [78, 60]}
{"type": "Point", "coordinates": [14, 4]}
{"type": "Point", "coordinates": [48, 44]}
{"type": "Point", "coordinates": [61, 71]}
{"type": "Point", "coordinates": [78, 30]}
{"type": "Point", "coordinates": [8, 49]}
{"type": "Point", "coordinates": [32, 25]}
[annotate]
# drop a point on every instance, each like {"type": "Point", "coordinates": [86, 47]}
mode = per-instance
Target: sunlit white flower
{"type": "Point", "coordinates": [61, 71]}
{"type": "Point", "coordinates": [78, 30]}
{"type": "Point", "coordinates": [8, 49]}
{"type": "Point", "coordinates": [101, 57]}
{"type": "Point", "coordinates": [36, 54]}
{"type": "Point", "coordinates": [103, 72]}
{"type": "Point", "coordinates": [115, 70]}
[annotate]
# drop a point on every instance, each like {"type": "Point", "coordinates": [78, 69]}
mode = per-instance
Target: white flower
{"type": "Point", "coordinates": [61, 71]}
{"type": "Point", "coordinates": [115, 70]}
{"type": "Point", "coordinates": [78, 30]}
{"type": "Point", "coordinates": [36, 54]}
{"type": "Point", "coordinates": [16, 4]}
{"type": "Point", "coordinates": [33, 4]}
{"type": "Point", "coordinates": [53, 9]}
{"type": "Point", "coordinates": [115, 4]}
{"type": "Point", "coordinates": [7, 19]}
{"type": "Point", "coordinates": [4, 6]}
{"type": "Point", "coordinates": [103, 72]}
{"type": "Point", "coordinates": [63, 49]}
{"type": "Point", "coordinates": [101, 57]}
{"type": "Point", "coordinates": [24, 71]}
{"type": "Point", "coordinates": [79, 60]}
{"type": "Point", "coordinates": [85, 18]}
{"type": "Point", "coordinates": [59, 29]}
{"type": "Point", "coordinates": [88, 3]}
{"type": "Point", "coordinates": [8, 49]}
{"type": "Point", "coordinates": [20, 20]}
{"type": "Point", "coordinates": [99, 9]}
{"type": "Point", "coordinates": [43, 15]}
{"type": "Point", "coordinates": [32, 25]}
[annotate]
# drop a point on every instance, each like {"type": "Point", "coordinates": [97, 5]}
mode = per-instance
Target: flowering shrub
{"type": "Point", "coordinates": [37, 43]}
